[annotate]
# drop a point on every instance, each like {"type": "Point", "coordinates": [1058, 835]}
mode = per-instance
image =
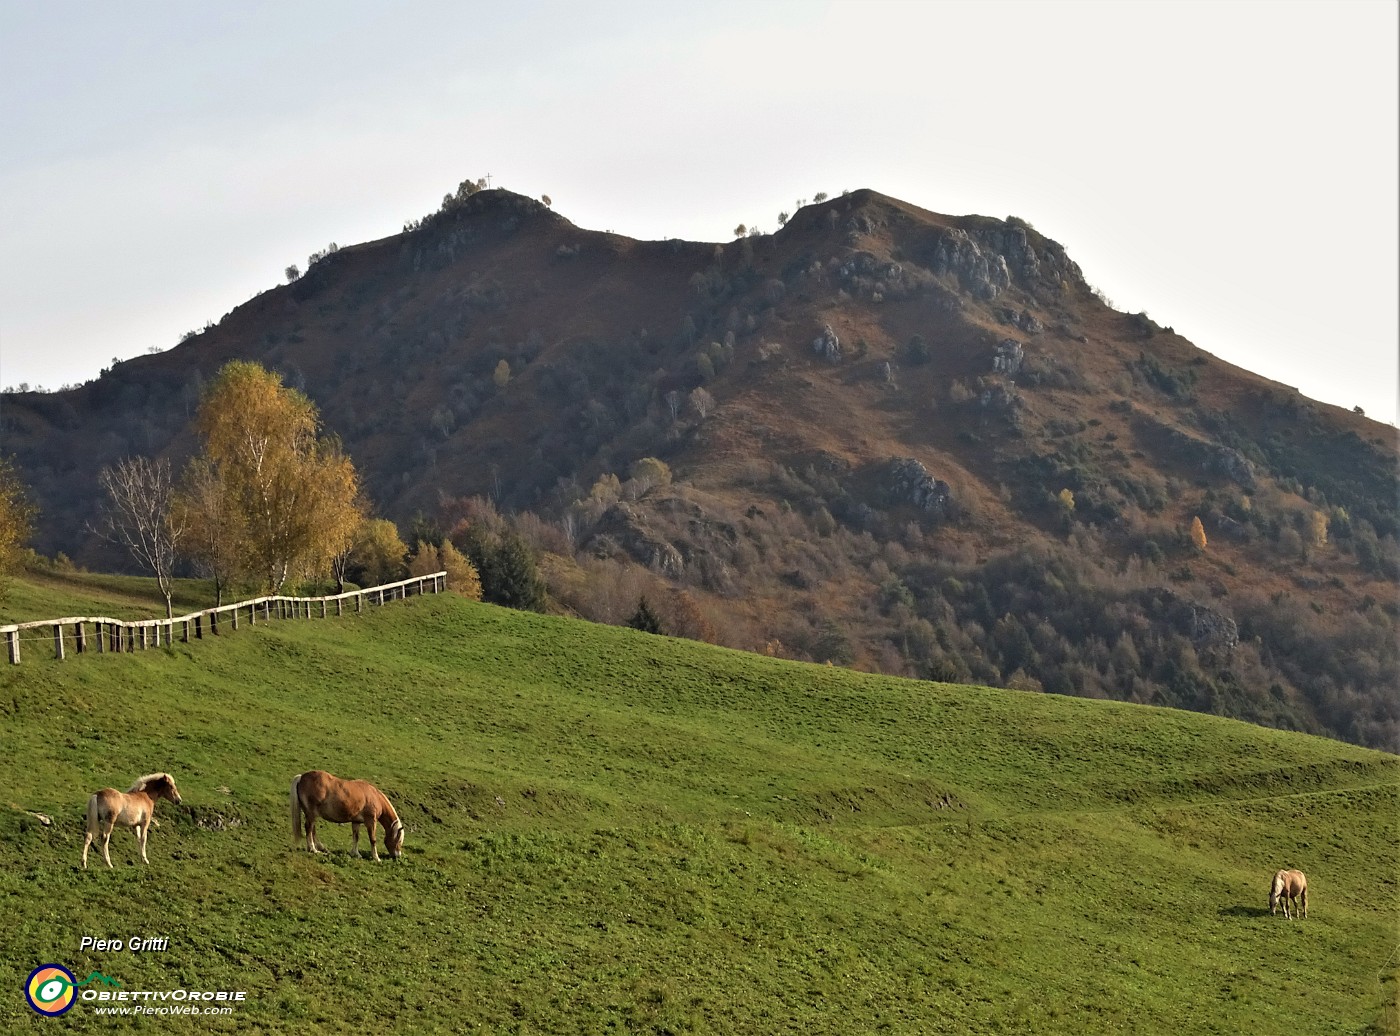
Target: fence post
{"type": "Point", "coordinates": [359, 602]}
{"type": "Point", "coordinates": [234, 613]}
{"type": "Point", "coordinates": [13, 638]}
{"type": "Point", "coordinates": [99, 634]}
{"type": "Point", "coordinates": [214, 623]}
{"type": "Point", "coordinates": [339, 606]}
{"type": "Point", "coordinates": [79, 640]}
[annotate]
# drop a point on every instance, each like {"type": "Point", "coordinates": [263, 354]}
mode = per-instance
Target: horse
{"type": "Point", "coordinates": [135, 809]}
{"type": "Point", "coordinates": [1289, 885]}
{"type": "Point", "coordinates": [324, 796]}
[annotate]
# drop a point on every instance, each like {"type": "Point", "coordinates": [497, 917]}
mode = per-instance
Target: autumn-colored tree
{"type": "Point", "coordinates": [650, 472]}
{"type": "Point", "coordinates": [340, 508]}
{"type": "Point", "coordinates": [293, 492]}
{"type": "Point", "coordinates": [1317, 529]}
{"type": "Point", "coordinates": [462, 576]}
{"type": "Point", "coordinates": [1198, 533]}
{"type": "Point", "coordinates": [342, 559]}
{"type": "Point", "coordinates": [378, 552]}
{"type": "Point", "coordinates": [685, 619]}
{"type": "Point", "coordinates": [16, 517]}
{"type": "Point", "coordinates": [213, 528]}
{"type": "Point", "coordinates": [424, 561]}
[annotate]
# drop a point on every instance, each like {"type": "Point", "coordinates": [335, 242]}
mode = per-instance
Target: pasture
{"type": "Point", "coordinates": [614, 832]}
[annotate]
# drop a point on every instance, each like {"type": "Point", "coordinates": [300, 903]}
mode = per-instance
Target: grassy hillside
{"type": "Point", "coordinates": [610, 831]}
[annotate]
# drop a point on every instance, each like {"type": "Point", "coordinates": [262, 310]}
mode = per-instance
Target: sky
{"type": "Point", "coordinates": [1228, 167]}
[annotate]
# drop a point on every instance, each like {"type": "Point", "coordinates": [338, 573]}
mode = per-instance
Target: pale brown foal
{"type": "Point", "coordinates": [1289, 885]}
{"type": "Point", "coordinates": [324, 796]}
{"type": "Point", "coordinates": [135, 809]}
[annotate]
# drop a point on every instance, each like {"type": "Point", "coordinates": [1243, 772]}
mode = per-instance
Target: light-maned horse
{"type": "Point", "coordinates": [1289, 885]}
{"type": "Point", "coordinates": [323, 796]}
{"type": "Point", "coordinates": [135, 809]}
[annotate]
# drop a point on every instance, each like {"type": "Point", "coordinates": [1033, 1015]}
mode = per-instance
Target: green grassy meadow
{"type": "Point", "coordinates": [615, 832]}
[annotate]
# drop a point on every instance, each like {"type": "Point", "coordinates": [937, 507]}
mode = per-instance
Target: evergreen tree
{"type": "Point", "coordinates": [644, 618]}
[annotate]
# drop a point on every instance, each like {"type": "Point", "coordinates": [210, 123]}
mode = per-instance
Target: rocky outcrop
{"type": "Point", "coordinates": [988, 256]}
{"type": "Point", "coordinates": [983, 273]}
{"type": "Point", "coordinates": [626, 527]}
{"type": "Point", "coordinates": [1008, 357]}
{"type": "Point", "coordinates": [1207, 628]}
{"type": "Point", "coordinates": [908, 481]}
{"type": "Point", "coordinates": [827, 345]}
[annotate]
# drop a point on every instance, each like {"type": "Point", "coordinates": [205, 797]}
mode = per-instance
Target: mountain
{"type": "Point", "coordinates": [889, 439]}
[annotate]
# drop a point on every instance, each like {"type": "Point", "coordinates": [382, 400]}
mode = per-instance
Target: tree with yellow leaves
{"type": "Point", "coordinates": [212, 528]}
{"type": "Point", "coordinates": [462, 576]}
{"type": "Point", "coordinates": [291, 494]}
{"type": "Point", "coordinates": [1317, 529]}
{"type": "Point", "coordinates": [16, 518]}
{"type": "Point", "coordinates": [1198, 533]}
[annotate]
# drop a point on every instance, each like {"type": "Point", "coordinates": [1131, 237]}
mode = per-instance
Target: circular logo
{"type": "Point", "coordinates": [51, 989]}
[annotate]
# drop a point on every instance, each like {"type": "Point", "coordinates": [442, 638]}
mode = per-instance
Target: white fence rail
{"type": "Point", "coordinates": [130, 634]}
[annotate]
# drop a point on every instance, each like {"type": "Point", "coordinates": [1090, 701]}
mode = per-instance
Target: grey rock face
{"type": "Point", "coordinates": [827, 345]}
{"type": "Point", "coordinates": [1008, 357]}
{"type": "Point", "coordinates": [910, 481]}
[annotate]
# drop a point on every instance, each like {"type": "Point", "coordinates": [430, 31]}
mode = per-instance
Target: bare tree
{"type": "Point", "coordinates": [702, 403]}
{"type": "Point", "coordinates": [140, 516]}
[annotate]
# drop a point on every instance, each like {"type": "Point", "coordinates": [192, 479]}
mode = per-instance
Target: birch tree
{"type": "Point", "coordinates": [293, 492]}
{"type": "Point", "coordinates": [140, 515]}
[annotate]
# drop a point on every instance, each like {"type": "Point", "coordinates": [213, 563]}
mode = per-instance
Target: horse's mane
{"type": "Point", "coordinates": [142, 783]}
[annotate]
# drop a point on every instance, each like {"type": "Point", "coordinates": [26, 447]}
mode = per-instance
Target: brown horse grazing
{"type": "Point", "coordinates": [1289, 885]}
{"type": "Point", "coordinates": [135, 809]}
{"type": "Point", "coordinates": [321, 795]}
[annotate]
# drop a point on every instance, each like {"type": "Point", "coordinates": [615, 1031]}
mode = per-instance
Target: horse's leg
{"type": "Point", "coordinates": [355, 836]}
{"type": "Point", "coordinates": [1303, 898]}
{"type": "Point", "coordinates": [86, 842]}
{"type": "Point", "coordinates": [107, 843]}
{"type": "Point", "coordinates": [311, 831]}
{"type": "Point", "coordinates": [143, 831]}
{"type": "Point", "coordinates": [373, 844]}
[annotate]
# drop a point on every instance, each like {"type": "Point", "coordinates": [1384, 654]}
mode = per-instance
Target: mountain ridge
{"type": "Point", "coordinates": [864, 413]}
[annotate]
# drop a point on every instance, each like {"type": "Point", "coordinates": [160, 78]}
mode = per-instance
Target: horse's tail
{"type": "Point", "coordinates": [94, 815]}
{"type": "Point", "coordinates": [1274, 887]}
{"type": "Point", "coordinates": [296, 809]}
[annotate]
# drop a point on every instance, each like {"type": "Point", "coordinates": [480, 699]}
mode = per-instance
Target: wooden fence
{"type": "Point", "coordinates": [123, 635]}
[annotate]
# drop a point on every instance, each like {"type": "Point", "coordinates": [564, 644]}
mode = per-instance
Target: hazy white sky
{"type": "Point", "coordinates": [1229, 167]}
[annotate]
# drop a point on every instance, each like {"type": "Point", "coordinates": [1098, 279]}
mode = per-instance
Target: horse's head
{"type": "Point", "coordinates": [393, 841]}
{"type": "Point", "coordinates": [158, 786]}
